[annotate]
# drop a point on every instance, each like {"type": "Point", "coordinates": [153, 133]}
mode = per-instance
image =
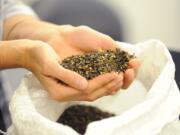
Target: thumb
{"type": "Point", "coordinates": [70, 77]}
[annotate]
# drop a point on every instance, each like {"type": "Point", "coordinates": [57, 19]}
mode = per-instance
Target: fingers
{"type": "Point", "coordinates": [90, 39]}
{"type": "Point", "coordinates": [135, 64]}
{"type": "Point", "coordinates": [119, 83]}
{"type": "Point", "coordinates": [108, 89]}
{"type": "Point", "coordinates": [106, 42]}
{"type": "Point", "coordinates": [129, 76]}
{"type": "Point", "coordinates": [102, 85]}
{"type": "Point", "coordinates": [131, 73]}
{"type": "Point", "coordinates": [73, 79]}
{"type": "Point", "coordinates": [69, 77]}
{"type": "Point", "coordinates": [106, 85]}
{"type": "Point", "coordinates": [58, 91]}
{"type": "Point", "coordinates": [104, 88]}
{"type": "Point", "coordinates": [94, 85]}
{"type": "Point", "coordinates": [100, 81]}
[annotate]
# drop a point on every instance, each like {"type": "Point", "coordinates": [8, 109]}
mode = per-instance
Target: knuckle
{"type": "Point", "coordinates": [83, 27]}
{"type": "Point", "coordinates": [66, 28]}
{"type": "Point", "coordinates": [108, 37]}
{"type": "Point", "coordinates": [69, 26]}
{"type": "Point", "coordinates": [108, 40]}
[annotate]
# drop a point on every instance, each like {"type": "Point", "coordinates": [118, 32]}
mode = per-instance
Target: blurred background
{"type": "Point", "coordinates": [124, 20]}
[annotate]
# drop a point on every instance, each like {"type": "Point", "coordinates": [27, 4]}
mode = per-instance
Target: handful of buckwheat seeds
{"type": "Point", "coordinates": [93, 64]}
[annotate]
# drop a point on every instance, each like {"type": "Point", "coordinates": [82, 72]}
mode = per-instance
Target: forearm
{"type": "Point", "coordinates": [12, 54]}
{"type": "Point", "coordinates": [26, 27]}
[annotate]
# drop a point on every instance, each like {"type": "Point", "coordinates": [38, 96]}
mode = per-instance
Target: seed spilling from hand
{"type": "Point", "coordinates": [79, 116]}
{"type": "Point", "coordinates": [93, 64]}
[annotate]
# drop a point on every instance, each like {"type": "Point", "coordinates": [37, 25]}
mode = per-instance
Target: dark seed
{"type": "Point", "coordinates": [79, 116]}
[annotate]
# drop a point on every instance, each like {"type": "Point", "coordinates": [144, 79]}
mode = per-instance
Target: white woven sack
{"type": "Point", "coordinates": [150, 106]}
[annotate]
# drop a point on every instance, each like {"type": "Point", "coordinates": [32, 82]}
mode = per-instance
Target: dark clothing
{"type": "Point", "coordinates": [5, 93]}
{"type": "Point", "coordinates": [2, 126]}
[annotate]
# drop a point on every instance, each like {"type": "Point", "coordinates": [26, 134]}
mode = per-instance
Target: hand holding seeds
{"type": "Point", "coordinates": [60, 42]}
{"type": "Point", "coordinates": [66, 41]}
{"type": "Point", "coordinates": [82, 39]}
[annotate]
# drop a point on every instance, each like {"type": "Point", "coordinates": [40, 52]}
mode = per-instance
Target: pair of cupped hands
{"type": "Point", "coordinates": [50, 44]}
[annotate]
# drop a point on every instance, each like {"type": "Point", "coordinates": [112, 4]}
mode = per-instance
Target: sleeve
{"type": "Point", "coordinates": [14, 7]}
{"type": "Point", "coordinates": [9, 8]}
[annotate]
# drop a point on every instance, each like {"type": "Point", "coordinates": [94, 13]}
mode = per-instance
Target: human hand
{"type": "Point", "coordinates": [65, 40]}
{"type": "Point", "coordinates": [44, 63]}
{"type": "Point", "coordinates": [68, 40]}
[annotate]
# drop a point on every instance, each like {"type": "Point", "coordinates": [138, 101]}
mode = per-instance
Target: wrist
{"type": "Point", "coordinates": [28, 54]}
{"type": "Point", "coordinates": [16, 27]}
{"type": "Point", "coordinates": [29, 27]}
{"type": "Point", "coordinates": [13, 54]}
